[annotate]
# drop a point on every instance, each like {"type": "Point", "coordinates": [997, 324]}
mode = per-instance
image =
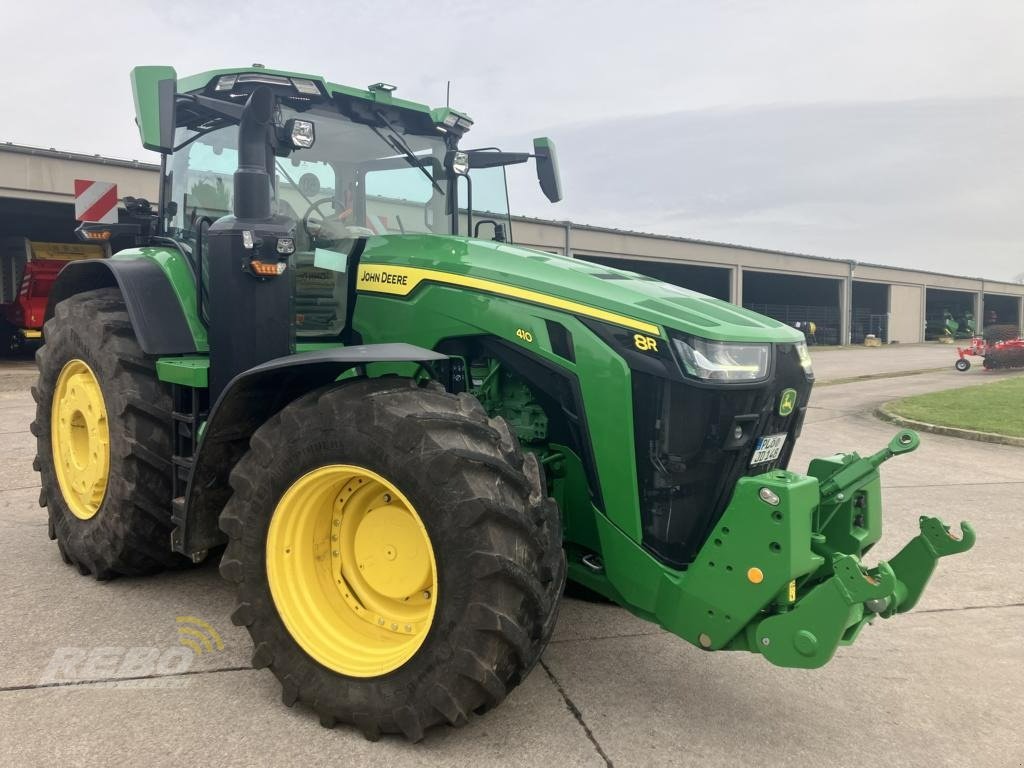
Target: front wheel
{"type": "Point", "coordinates": [398, 563]}
{"type": "Point", "coordinates": [963, 364]}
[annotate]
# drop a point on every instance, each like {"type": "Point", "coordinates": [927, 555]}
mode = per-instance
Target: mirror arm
{"type": "Point", "coordinates": [485, 159]}
{"type": "Point", "coordinates": [220, 108]}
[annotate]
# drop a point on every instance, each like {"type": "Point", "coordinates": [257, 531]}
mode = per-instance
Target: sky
{"type": "Point", "coordinates": [878, 131]}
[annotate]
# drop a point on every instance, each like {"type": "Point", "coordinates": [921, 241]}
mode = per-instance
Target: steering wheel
{"type": "Point", "coordinates": [327, 228]}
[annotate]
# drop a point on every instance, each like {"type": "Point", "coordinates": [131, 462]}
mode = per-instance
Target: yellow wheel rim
{"type": "Point", "coordinates": [351, 570]}
{"type": "Point", "coordinates": [80, 439]}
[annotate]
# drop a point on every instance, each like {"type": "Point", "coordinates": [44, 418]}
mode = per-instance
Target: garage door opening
{"type": "Point", "coordinates": [36, 220]}
{"type": "Point", "coordinates": [1001, 310]}
{"type": "Point", "coordinates": [949, 313]}
{"type": "Point", "coordinates": [711, 281]}
{"type": "Point", "coordinates": [808, 303]}
{"type": "Point", "coordinates": [870, 312]}
{"type": "Point", "coordinates": [36, 240]}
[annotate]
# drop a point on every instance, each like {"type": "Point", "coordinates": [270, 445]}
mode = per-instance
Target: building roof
{"type": "Point", "coordinates": [144, 166]}
{"type": "Point", "coordinates": [56, 154]}
{"type": "Point", "coordinates": [752, 248]}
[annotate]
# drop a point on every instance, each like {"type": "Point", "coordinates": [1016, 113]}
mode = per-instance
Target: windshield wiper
{"type": "Point", "coordinates": [397, 143]}
{"type": "Point", "coordinates": [292, 181]}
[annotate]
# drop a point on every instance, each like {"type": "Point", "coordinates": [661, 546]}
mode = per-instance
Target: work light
{"type": "Point", "coordinates": [460, 163]}
{"type": "Point", "coordinates": [301, 133]}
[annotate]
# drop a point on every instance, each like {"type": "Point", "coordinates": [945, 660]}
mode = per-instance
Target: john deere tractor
{"type": "Point", "coordinates": [322, 358]}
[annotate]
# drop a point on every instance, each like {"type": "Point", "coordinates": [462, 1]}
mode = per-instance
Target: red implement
{"type": "Point", "coordinates": [999, 354]}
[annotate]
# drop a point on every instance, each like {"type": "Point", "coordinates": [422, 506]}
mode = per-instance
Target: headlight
{"type": "Point", "coordinates": [723, 361]}
{"type": "Point", "coordinates": [805, 357]}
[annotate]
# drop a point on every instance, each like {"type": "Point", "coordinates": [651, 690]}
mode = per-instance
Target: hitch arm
{"type": "Point", "coordinates": [915, 563]}
{"type": "Point", "coordinates": [834, 611]}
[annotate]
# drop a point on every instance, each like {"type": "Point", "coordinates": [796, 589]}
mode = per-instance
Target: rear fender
{"type": "Point", "coordinates": [249, 399]}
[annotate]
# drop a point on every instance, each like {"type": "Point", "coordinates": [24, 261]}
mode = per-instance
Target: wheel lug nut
{"type": "Point", "coordinates": [426, 594]}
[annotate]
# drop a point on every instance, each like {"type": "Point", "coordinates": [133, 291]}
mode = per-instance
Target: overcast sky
{"type": "Point", "coordinates": [887, 131]}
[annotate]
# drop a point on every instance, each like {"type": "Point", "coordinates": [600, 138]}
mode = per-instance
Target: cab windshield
{"type": "Point", "coordinates": [352, 181]}
{"type": "Point", "coordinates": [357, 180]}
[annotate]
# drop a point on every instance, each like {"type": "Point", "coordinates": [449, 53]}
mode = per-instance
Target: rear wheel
{"type": "Point", "coordinates": [103, 439]}
{"type": "Point", "coordinates": [398, 562]}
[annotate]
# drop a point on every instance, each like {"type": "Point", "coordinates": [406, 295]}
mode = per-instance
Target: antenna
{"type": "Point", "coordinates": [448, 94]}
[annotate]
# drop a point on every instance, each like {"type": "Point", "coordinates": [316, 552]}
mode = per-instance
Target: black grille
{"type": "Point", "coordinates": [688, 457]}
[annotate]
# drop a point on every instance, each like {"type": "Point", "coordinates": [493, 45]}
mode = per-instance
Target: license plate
{"type": "Point", "coordinates": [768, 448]}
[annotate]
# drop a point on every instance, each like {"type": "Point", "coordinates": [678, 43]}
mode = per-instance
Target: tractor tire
{"type": "Point", "coordinates": [1000, 332]}
{"type": "Point", "coordinates": [963, 364]}
{"type": "Point", "coordinates": [122, 526]}
{"type": "Point", "coordinates": [488, 598]}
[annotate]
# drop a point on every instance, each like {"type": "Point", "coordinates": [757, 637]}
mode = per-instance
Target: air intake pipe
{"type": "Point", "coordinates": [255, 157]}
{"type": "Point", "coordinates": [250, 284]}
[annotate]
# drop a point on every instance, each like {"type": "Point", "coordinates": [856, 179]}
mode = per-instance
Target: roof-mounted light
{"type": "Point", "coordinates": [307, 87]}
{"type": "Point", "coordinates": [262, 78]}
{"type": "Point", "coordinates": [225, 82]}
{"type": "Point", "coordinates": [454, 121]}
{"type": "Point", "coordinates": [386, 87]}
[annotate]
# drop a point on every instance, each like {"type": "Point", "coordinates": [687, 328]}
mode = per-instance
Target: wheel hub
{"type": "Point", "coordinates": [390, 553]}
{"type": "Point", "coordinates": [80, 439]}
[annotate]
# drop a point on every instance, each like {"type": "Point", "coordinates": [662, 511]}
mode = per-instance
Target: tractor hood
{"type": "Point", "coordinates": [577, 286]}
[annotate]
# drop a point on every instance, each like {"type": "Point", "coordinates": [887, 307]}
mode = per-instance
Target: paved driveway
{"type": "Point", "coordinates": [940, 686]}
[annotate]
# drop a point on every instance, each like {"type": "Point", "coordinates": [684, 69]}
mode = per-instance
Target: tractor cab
{"type": "Point", "coordinates": [344, 165]}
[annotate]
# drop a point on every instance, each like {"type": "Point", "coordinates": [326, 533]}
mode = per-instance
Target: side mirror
{"type": "Point", "coordinates": [547, 169]}
{"type": "Point", "coordinates": [155, 90]}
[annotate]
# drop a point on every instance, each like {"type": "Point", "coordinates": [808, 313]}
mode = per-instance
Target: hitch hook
{"type": "Point", "coordinates": [942, 541]}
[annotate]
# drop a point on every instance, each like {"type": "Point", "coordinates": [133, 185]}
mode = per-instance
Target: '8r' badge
{"type": "Point", "coordinates": [787, 402]}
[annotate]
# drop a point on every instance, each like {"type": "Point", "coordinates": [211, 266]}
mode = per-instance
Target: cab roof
{"type": "Point", "coordinates": [378, 93]}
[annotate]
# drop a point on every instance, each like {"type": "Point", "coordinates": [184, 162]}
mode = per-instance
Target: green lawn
{"type": "Point", "coordinates": [996, 407]}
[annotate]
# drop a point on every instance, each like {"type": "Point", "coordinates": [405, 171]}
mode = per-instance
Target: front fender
{"type": "Point", "coordinates": [155, 309]}
{"type": "Point", "coordinates": [249, 399]}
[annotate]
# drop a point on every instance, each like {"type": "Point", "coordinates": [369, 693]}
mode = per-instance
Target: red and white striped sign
{"type": "Point", "coordinates": [95, 201]}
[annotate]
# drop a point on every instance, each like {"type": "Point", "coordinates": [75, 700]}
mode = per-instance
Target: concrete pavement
{"type": "Point", "coordinates": [835, 363]}
{"type": "Point", "coordinates": [940, 686]}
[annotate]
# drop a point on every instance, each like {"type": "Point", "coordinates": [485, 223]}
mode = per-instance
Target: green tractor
{"type": "Point", "coordinates": [324, 352]}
